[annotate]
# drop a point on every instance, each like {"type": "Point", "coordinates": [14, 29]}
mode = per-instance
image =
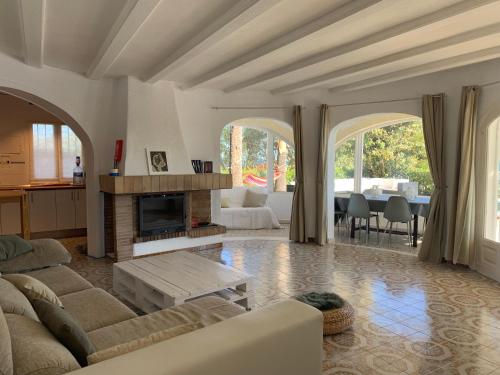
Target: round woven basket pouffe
{"type": "Point", "coordinates": [338, 320]}
{"type": "Point", "coordinates": [338, 314]}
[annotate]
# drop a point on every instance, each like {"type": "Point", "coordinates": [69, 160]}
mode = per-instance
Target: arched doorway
{"type": "Point", "coordinates": [382, 150]}
{"type": "Point", "coordinates": [259, 154]}
{"type": "Point", "coordinates": [71, 126]}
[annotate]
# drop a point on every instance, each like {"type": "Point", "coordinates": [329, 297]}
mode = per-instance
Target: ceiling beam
{"type": "Point", "coordinates": [131, 18]}
{"type": "Point", "coordinates": [398, 56]}
{"type": "Point", "coordinates": [32, 21]}
{"type": "Point", "coordinates": [435, 66]}
{"type": "Point", "coordinates": [285, 39]}
{"type": "Point", "coordinates": [381, 36]}
{"type": "Point", "coordinates": [233, 19]}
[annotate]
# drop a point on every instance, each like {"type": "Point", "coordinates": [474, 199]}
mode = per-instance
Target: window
{"type": "Point", "coordinates": [492, 227]}
{"type": "Point", "coordinates": [54, 150]}
{"type": "Point", "coordinates": [253, 156]}
{"type": "Point", "coordinates": [344, 166]}
{"type": "Point", "coordinates": [384, 157]}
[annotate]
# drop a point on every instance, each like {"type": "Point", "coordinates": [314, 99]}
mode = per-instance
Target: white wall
{"type": "Point", "coordinates": [152, 122]}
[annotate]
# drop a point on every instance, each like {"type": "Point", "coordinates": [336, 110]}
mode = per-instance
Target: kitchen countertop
{"type": "Point", "coordinates": [41, 187]}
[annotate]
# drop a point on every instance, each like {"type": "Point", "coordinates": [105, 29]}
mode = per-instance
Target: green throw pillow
{"type": "Point", "coordinates": [66, 329]}
{"type": "Point", "coordinates": [12, 246]}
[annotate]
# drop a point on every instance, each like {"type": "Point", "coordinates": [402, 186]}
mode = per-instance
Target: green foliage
{"type": "Point", "coordinates": [395, 151]}
{"type": "Point", "coordinates": [254, 147]}
{"type": "Point", "coordinates": [344, 160]}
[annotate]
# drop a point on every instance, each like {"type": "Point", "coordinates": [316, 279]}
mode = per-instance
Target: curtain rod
{"type": "Point", "coordinates": [489, 84]}
{"type": "Point", "coordinates": [217, 108]}
{"type": "Point", "coordinates": [377, 102]}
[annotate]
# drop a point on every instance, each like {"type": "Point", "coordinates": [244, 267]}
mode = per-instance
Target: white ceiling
{"type": "Point", "coordinates": [277, 45]}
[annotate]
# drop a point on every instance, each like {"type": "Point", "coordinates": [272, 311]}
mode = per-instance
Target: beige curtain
{"type": "Point", "coordinates": [433, 125]}
{"type": "Point", "coordinates": [321, 209]}
{"type": "Point", "coordinates": [461, 237]}
{"type": "Point", "coordinates": [298, 219]}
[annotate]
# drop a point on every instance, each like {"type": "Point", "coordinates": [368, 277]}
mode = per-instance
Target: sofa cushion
{"type": "Point", "coordinates": [149, 340]}
{"type": "Point", "coordinates": [12, 301]}
{"type": "Point", "coordinates": [32, 288]}
{"type": "Point", "coordinates": [94, 308]}
{"type": "Point", "coordinates": [35, 350]}
{"type": "Point", "coordinates": [65, 329]}
{"type": "Point", "coordinates": [61, 279]}
{"type": "Point", "coordinates": [12, 246]}
{"type": "Point", "coordinates": [46, 252]}
{"type": "Point", "coordinates": [254, 199]}
{"type": "Point", "coordinates": [6, 364]}
{"type": "Point", "coordinates": [206, 311]}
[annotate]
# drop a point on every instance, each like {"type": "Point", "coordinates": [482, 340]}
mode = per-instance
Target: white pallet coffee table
{"type": "Point", "coordinates": [167, 280]}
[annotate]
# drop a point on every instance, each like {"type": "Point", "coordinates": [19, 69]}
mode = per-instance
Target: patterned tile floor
{"type": "Point", "coordinates": [412, 317]}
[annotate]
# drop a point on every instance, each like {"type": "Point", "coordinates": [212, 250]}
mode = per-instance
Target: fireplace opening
{"type": "Point", "coordinates": [163, 213]}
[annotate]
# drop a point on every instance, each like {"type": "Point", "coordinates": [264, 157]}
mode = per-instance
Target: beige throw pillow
{"type": "Point", "coordinates": [6, 363]}
{"type": "Point", "coordinates": [225, 202]}
{"type": "Point", "coordinates": [254, 199]}
{"type": "Point", "coordinates": [13, 301]}
{"type": "Point", "coordinates": [144, 342]}
{"type": "Point", "coordinates": [32, 288]}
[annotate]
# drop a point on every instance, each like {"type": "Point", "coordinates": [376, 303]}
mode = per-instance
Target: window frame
{"type": "Point", "coordinates": [269, 154]}
{"type": "Point", "coordinates": [58, 155]}
{"type": "Point", "coordinates": [359, 140]}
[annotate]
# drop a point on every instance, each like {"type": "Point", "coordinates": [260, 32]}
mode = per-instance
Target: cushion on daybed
{"type": "Point", "coordinates": [35, 350]}
{"type": "Point", "coordinates": [206, 311]}
{"type": "Point", "coordinates": [46, 252]}
{"type": "Point", "coordinates": [254, 199]}
{"type": "Point", "coordinates": [12, 301]}
{"type": "Point", "coordinates": [62, 325]}
{"type": "Point", "coordinates": [94, 308]}
{"type": "Point", "coordinates": [32, 288]}
{"type": "Point", "coordinates": [12, 246]}
{"type": "Point", "coordinates": [61, 279]}
{"type": "Point", "coordinates": [6, 364]}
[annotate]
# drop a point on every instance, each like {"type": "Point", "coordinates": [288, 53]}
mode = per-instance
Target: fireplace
{"type": "Point", "coordinates": [162, 213]}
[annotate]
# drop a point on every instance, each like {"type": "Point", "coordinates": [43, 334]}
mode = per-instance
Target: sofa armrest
{"type": "Point", "coordinates": [284, 338]}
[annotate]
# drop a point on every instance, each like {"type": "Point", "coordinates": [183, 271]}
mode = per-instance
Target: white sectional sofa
{"type": "Point", "coordinates": [238, 217]}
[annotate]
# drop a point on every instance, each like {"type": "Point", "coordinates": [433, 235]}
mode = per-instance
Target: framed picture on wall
{"type": "Point", "coordinates": [157, 161]}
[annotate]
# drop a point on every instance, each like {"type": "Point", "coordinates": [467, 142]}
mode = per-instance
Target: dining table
{"type": "Point", "coordinates": [419, 207]}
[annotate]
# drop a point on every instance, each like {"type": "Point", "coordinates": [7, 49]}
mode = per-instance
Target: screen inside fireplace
{"type": "Point", "coordinates": [161, 214]}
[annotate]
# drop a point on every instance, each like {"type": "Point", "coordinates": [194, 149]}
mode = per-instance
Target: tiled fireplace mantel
{"type": "Point", "coordinates": [120, 212]}
{"type": "Point", "coordinates": [164, 183]}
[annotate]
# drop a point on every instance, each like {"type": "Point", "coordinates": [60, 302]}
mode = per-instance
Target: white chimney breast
{"type": "Point", "coordinates": [153, 123]}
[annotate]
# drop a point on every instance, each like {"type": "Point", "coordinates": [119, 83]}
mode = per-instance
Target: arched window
{"type": "Point", "coordinates": [386, 156]}
{"type": "Point", "coordinates": [257, 157]}
{"type": "Point", "coordinates": [492, 222]}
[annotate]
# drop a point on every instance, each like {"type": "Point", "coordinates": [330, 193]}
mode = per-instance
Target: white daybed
{"type": "Point", "coordinates": [235, 216]}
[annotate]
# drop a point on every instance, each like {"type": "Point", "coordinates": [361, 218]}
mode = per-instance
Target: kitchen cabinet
{"type": "Point", "coordinates": [42, 211]}
{"type": "Point", "coordinates": [80, 208]}
{"type": "Point", "coordinates": [57, 210]}
{"type": "Point", "coordinates": [65, 209]}
{"type": "Point", "coordinates": [10, 218]}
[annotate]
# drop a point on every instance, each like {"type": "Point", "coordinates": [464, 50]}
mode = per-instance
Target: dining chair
{"type": "Point", "coordinates": [396, 211]}
{"type": "Point", "coordinates": [341, 215]}
{"type": "Point", "coordinates": [358, 208]}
